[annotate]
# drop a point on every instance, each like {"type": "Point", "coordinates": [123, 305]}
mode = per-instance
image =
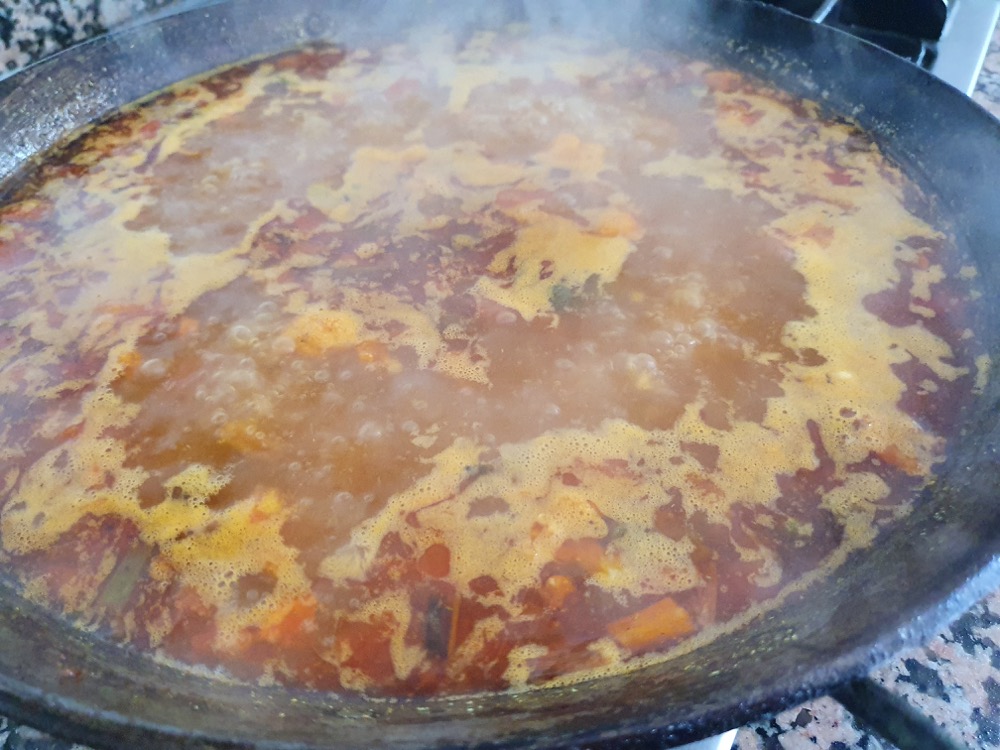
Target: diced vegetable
{"type": "Point", "coordinates": [556, 589]}
{"type": "Point", "coordinates": [589, 554]}
{"type": "Point", "coordinates": [289, 623]}
{"type": "Point", "coordinates": [895, 457]}
{"type": "Point", "coordinates": [663, 621]}
{"type": "Point", "coordinates": [436, 561]}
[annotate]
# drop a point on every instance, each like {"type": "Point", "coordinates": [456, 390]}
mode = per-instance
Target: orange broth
{"type": "Point", "coordinates": [452, 367]}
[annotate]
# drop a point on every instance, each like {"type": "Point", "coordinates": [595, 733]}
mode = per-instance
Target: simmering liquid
{"type": "Point", "coordinates": [457, 367]}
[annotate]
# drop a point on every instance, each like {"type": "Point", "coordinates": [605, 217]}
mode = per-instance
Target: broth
{"type": "Point", "coordinates": [452, 367]}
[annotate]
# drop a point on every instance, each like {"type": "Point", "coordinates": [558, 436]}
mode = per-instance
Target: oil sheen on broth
{"type": "Point", "coordinates": [453, 367]}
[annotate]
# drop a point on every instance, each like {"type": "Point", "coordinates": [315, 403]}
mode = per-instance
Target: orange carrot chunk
{"type": "Point", "coordinates": [661, 621]}
{"type": "Point", "coordinates": [436, 561]}
{"type": "Point", "coordinates": [288, 625]}
{"type": "Point", "coordinates": [588, 553]}
{"type": "Point", "coordinates": [895, 457]}
{"type": "Point", "coordinates": [555, 590]}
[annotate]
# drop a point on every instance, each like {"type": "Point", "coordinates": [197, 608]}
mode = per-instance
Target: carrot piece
{"type": "Point", "coordinates": [895, 457]}
{"type": "Point", "coordinates": [661, 621]}
{"type": "Point", "coordinates": [587, 553]}
{"type": "Point", "coordinates": [435, 561]}
{"type": "Point", "coordinates": [289, 623]}
{"type": "Point", "coordinates": [555, 590]}
{"type": "Point", "coordinates": [456, 606]}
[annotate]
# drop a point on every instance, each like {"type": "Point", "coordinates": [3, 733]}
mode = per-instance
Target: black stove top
{"type": "Point", "coordinates": [947, 37]}
{"type": "Point", "coordinates": [911, 29]}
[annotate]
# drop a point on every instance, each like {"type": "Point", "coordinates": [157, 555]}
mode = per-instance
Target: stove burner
{"type": "Point", "coordinates": [909, 30]}
{"type": "Point", "coordinates": [947, 37]}
{"type": "Point", "coordinates": [916, 18]}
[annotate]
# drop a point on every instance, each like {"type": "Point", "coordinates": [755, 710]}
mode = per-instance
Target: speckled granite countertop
{"type": "Point", "coordinates": [32, 29]}
{"type": "Point", "coordinates": [955, 679]}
